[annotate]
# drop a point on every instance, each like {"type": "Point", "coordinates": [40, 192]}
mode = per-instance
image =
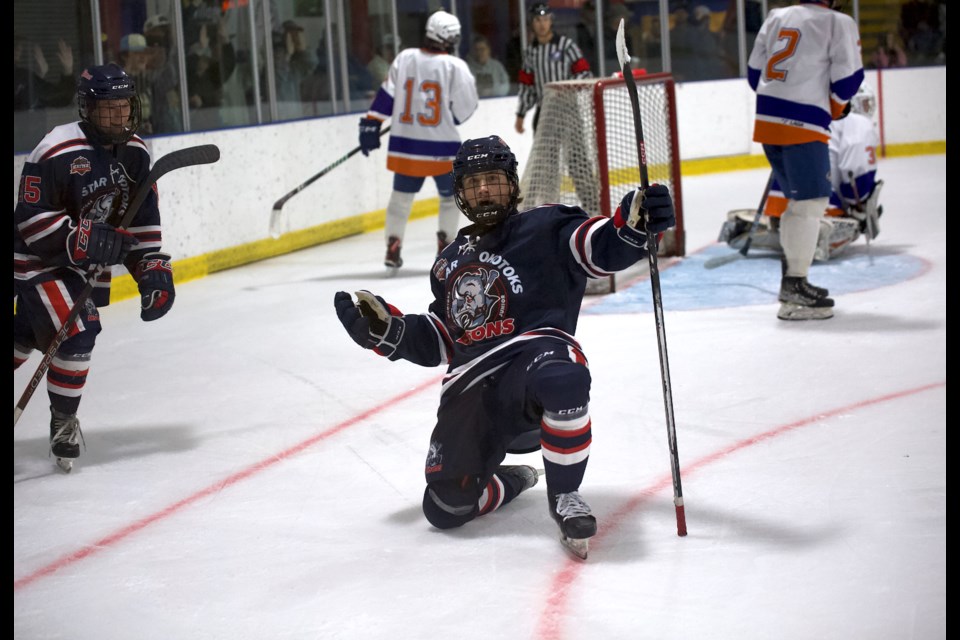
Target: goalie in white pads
{"type": "Point", "coordinates": [853, 208]}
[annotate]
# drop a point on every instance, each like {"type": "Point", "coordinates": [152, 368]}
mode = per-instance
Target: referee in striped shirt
{"type": "Point", "coordinates": [549, 58]}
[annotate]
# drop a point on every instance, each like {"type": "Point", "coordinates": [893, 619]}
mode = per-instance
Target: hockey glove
{"type": "Point", "coordinates": [369, 135]}
{"type": "Point", "coordinates": [154, 277]}
{"type": "Point", "coordinates": [98, 243]}
{"type": "Point", "coordinates": [371, 322]}
{"type": "Point", "coordinates": [644, 211]}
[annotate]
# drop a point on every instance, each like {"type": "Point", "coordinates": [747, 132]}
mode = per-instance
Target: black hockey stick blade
{"type": "Point", "coordinates": [187, 157]}
{"type": "Point", "coordinates": [275, 231]}
{"type": "Point", "coordinates": [719, 261]}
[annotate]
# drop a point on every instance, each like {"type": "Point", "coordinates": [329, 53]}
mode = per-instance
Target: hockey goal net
{"type": "Point", "coordinates": [585, 147]}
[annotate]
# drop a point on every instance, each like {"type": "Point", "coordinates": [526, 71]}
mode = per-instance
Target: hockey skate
{"type": "Point", "coordinates": [392, 261]}
{"type": "Point", "coordinates": [800, 300]}
{"type": "Point", "coordinates": [64, 436]}
{"type": "Point", "coordinates": [577, 525]}
{"type": "Point", "coordinates": [520, 477]}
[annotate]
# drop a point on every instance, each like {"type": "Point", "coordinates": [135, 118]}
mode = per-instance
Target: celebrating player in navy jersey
{"type": "Point", "coordinates": [506, 299]}
{"type": "Point", "coordinates": [75, 188]}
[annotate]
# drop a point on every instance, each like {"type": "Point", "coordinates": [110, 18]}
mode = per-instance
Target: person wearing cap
{"type": "Point", "coordinates": [292, 63]}
{"type": "Point", "coordinates": [550, 57]}
{"type": "Point", "coordinates": [134, 59]}
{"type": "Point", "coordinates": [162, 76]}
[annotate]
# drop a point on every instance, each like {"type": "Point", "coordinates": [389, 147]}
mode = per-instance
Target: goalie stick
{"type": "Point", "coordinates": [278, 205]}
{"type": "Point", "coordinates": [871, 223]}
{"type": "Point", "coordinates": [624, 58]}
{"type": "Point", "coordinates": [188, 157]}
{"type": "Point", "coordinates": [719, 261]}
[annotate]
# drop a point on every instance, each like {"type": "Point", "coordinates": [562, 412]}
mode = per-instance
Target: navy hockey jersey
{"type": "Point", "coordinates": [66, 179]}
{"type": "Point", "coordinates": [523, 280]}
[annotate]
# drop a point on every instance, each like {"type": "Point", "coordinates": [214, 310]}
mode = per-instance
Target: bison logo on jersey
{"type": "Point", "coordinates": [100, 206]}
{"type": "Point", "coordinates": [434, 457]}
{"type": "Point", "coordinates": [477, 304]}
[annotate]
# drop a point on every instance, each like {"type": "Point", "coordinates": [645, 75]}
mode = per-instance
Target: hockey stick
{"type": "Point", "coordinates": [719, 261]}
{"type": "Point", "coordinates": [202, 154]}
{"type": "Point", "coordinates": [278, 205]}
{"type": "Point", "coordinates": [624, 57]}
{"type": "Point", "coordinates": [870, 221]}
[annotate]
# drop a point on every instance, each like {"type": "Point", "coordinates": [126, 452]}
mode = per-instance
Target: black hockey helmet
{"type": "Point", "coordinates": [479, 156]}
{"type": "Point", "coordinates": [107, 82]}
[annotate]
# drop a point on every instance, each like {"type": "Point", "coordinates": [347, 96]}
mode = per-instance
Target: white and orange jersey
{"type": "Point", "coordinates": [425, 96]}
{"type": "Point", "coordinates": [805, 66]}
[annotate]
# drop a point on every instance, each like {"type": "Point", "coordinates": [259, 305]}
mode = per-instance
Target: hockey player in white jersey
{"type": "Point", "coordinates": [853, 208]}
{"type": "Point", "coordinates": [427, 93]}
{"type": "Point", "coordinates": [805, 66]}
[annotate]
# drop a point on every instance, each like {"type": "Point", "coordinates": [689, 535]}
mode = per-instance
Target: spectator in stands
{"type": "Point", "coordinates": [163, 76]}
{"type": "Point", "coordinates": [292, 63]}
{"type": "Point", "coordinates": [35, 88]}
{"type": "Point", "coordinates": [697, 50]}
{"type": "Point", "coordinates": [379, 65]}
{"type": "Point", "coordinates": [587, 32]}
{"type": "Point", "coordinates": [889, 52]}
{"type": "Point", "coordinates": [209, 64]}
{"type": "Point", "coordinates": [134, 59]}
{"type": "Point", "coordinates": [491, 75]}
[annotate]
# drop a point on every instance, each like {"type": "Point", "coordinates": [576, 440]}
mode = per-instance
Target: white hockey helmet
{"type": "Point", "coordinates": [444, 29]}
{"type": "Point", "coordinates": [864, 102]}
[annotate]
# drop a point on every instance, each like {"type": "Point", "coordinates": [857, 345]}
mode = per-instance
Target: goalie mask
{"type": "Point", "coordinates": [108, 104]}
{"type": "Point", "coordinates": [864, 102]}
{"type": "Point", "coordinates": [443, 31]}
{"type": "Point", "coordinates": [486, 185]}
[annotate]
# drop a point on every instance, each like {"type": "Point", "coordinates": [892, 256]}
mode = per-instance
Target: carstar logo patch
{"type": "Point", "coordinates": [80, 166]}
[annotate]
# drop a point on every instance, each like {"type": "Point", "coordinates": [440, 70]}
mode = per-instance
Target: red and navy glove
{"type": "Point", "coordinates": [98, 243]}
{"type": "Point", "coordinates": [154, 277]}
{"type": "Point", "coordinates": [369, 135]}
{"type": "Point", "coordinates": [651, 212]}
{"type": "Point", "coordinates": [371, 322]}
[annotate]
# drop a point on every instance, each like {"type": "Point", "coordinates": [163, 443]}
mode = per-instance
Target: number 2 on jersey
{"type": "Point", "coordinates": [792, 38]}
{"type": "Point", "coordinates": [431, 90]}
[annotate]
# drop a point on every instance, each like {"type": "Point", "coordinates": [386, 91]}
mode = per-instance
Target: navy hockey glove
{"type": "Point", "coordinates": [154, 277]}
{"type": "Point", "coordinates": [98, 243]}
{"type": "Point", "coordinates": [371, 322]}
{"type": "Point", "coordinates": [369, 135]}
{"type": "Point", "coordinates": [652, 212]}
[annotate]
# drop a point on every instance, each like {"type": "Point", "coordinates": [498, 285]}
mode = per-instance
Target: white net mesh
{"type": "Point", "coordinates": [585, 147]}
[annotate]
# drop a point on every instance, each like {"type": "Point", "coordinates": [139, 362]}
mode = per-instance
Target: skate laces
{"type": "Point", "coordinates": [68, 431]}
{"type": "Point", "coordinates": [571, 505]}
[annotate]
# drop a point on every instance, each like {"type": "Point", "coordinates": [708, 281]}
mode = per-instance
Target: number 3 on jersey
{"type": "Point", "coordinates": [432, 101]}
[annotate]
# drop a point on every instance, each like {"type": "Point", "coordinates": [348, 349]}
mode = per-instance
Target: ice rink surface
{"type": "Point", "coordinates": [250, 473]}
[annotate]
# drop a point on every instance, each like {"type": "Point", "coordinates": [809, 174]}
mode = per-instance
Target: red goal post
{"type": "Point", "coordinates": [584, 149]}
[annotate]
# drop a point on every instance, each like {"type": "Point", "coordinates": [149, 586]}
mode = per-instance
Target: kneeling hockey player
{"type": "Point", "coordinates": [506, 298]}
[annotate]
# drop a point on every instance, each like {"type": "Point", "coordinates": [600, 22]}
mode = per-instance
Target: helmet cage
{"type": "Point", "coordinates": [107, 82]}
{"type": "Point", "coordinates": [864, 102]}
{"type": "Point", "coordinates": [481, 156]}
